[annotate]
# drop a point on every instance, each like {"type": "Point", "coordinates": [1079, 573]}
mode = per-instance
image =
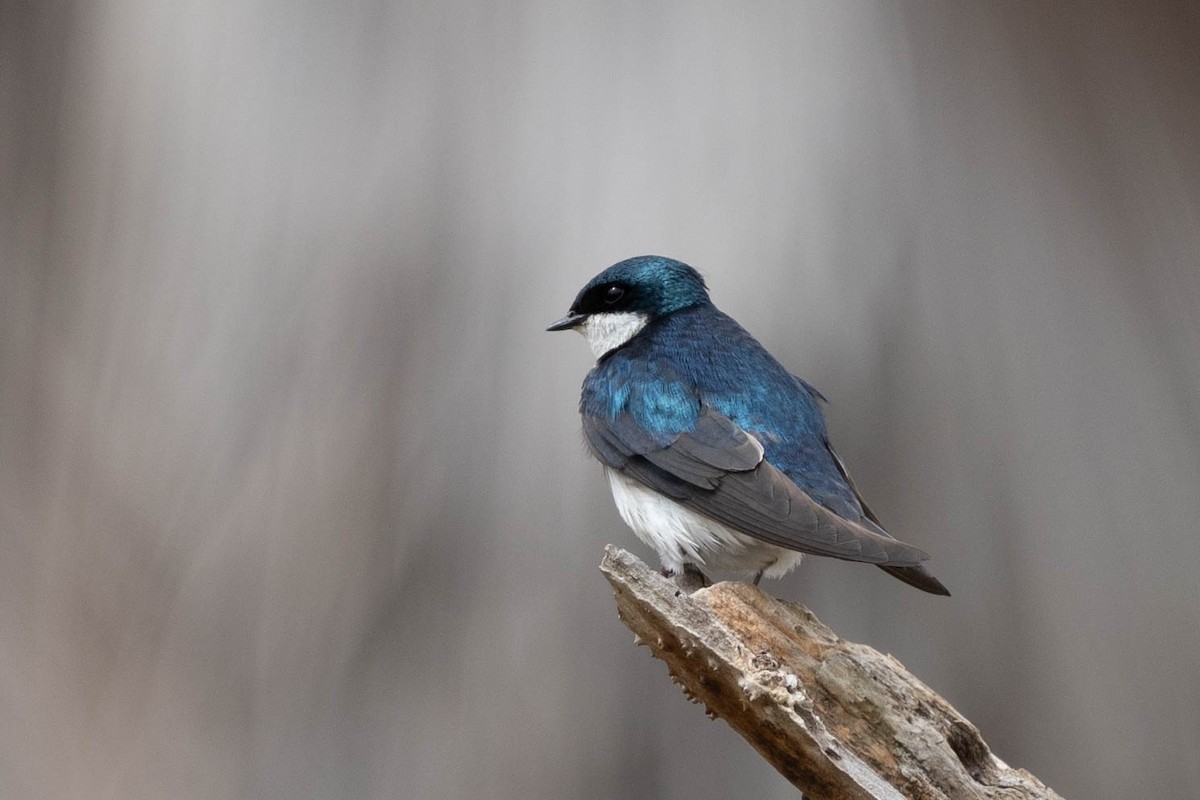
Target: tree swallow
{"type": "Point", "coordinates": [716, 455]}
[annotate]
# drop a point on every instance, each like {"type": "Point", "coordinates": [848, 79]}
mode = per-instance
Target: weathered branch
{"type": "Point", "coordinates": [837, 719]}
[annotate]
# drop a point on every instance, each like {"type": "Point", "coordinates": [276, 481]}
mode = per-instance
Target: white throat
{"type": "Point", "coordinates": [608, 331]}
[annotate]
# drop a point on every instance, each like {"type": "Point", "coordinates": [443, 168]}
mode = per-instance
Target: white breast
{"type": "Point", "coordinates": [681, 536]}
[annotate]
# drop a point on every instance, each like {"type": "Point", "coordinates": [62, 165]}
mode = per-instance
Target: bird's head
{"type": "Point", "coordinates": [615, 305]}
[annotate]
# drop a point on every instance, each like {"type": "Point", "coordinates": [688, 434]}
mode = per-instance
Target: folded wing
{"type": "Point", "coordinates": [718, 470]}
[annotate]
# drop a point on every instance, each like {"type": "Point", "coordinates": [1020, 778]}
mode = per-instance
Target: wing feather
{"type": "Point", "coordinates": [719, 470]}
{"type": "Point", "coordinates": [917, 575]}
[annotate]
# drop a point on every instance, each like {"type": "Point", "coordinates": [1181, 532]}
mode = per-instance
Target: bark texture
{"type": "Point", "coordinates": [837, 719]}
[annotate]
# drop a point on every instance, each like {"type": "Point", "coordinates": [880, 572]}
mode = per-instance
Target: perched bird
{"type": "Point", "coordinates": [716, 455]}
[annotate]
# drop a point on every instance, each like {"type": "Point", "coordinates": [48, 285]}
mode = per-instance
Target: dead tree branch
{"type": "Point", "coordinates": [837, 719]}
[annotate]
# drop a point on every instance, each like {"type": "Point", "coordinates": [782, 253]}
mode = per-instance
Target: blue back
{"type": "Point", "coordinates": [701, 356]}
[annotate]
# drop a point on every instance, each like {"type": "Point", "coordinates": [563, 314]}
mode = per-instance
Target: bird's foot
{"type": "Point", "coordinates": [689, 579]}
{"type": "Point", "coordinates": [758, 576]}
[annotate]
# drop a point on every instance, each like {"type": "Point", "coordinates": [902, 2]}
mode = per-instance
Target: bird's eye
{"type": "Point", "coordinates": [613, 293]}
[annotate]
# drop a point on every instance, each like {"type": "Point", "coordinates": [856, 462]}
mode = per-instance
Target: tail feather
{"type": "Point", "coordinates": [919, 577]}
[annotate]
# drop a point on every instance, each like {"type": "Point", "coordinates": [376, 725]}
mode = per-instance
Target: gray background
{"type": "Point", "coordinates": [292, 494]}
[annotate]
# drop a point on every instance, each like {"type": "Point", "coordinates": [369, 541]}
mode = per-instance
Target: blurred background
{"type": "Point", "coordinates": [293, 498]}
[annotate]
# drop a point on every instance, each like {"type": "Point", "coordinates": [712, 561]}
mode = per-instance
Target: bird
{"type": "Point", "coordinates": [716, 456]}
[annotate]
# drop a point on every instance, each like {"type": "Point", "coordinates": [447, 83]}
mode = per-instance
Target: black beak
{"type": "Point", "coordinates": [567, 322]}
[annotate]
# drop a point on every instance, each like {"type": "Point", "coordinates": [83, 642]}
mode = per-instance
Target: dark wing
{"type": "Point", "coordinates": [867, 512]}
{"type": "Point", "coordinates": [718, 470]}
{"type": "Point", "coordinates": [916, 576]}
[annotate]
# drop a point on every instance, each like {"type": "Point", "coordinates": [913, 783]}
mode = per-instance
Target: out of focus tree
{"type": "Point", "coordinates": [291, 490]}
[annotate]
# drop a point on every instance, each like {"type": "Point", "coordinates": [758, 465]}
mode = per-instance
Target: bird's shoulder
{"type": "Point", "coordinates": [649, 390]}
{"type": "Point", "coordinates": [702, 356]}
